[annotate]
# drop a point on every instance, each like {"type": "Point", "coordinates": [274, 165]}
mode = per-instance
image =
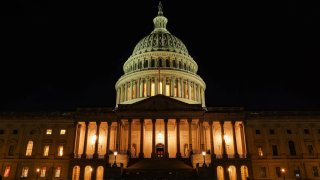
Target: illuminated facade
{"type": "Point", "coordinates": [160, 114]}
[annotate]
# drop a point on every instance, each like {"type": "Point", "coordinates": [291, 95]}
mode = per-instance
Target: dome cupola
{"type": "Point", "coordinates": [160, 64]}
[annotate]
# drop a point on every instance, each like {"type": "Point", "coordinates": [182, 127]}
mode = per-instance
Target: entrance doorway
{"type": "Point", "coordinates": [160, 150]}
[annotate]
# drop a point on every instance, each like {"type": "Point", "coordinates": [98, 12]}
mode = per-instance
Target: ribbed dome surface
{"type": "Point", "coordinates": [160, 38]}
{"type": "Point", "coordinates": [160, 41]}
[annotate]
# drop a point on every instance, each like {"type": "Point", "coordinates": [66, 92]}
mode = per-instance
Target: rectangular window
{"type": "Point", "coordinates": [310, 149]}
{"type": "Point", "coordinates": [7, 171]}
{"type": "Point", "coordinates": [60, 151]}
{"type": "Point", "coordinates": [24, 172]}
{"type": "Point", "coordinates": [43, 172]}
{"type": "Point", "coordinates": [289, 131]}
{"type": "Point", "coordinates": [62, 131]}
{"type": "Point", "coordinates": [306, 131]}
{"type": "Point", "coordinates": [49, 131]}
{"type": "Point", "coordinates": [278, 172]}
{"type": "Point", "coordinates": [57, 173]}
{"type": "Point", "coordinates": [271, 131]}
{"type": "Point", "coordinates": [274, 150]}
{"type": "Point", "coordinates": [260, 152]}
{"type": "Point", "coordinates": [297, 173]}
{"type": "Point", "coordinates": [258, 131]}
{"type": "Point", "coordinates": [29, 148]}
{"type": "Point", "coordinates": [315, 171]}
{"type": "Point", "coordinates": [15, 131]}
{"type": "Point", "coordinates": [46, 150]}
{"type": "Point", "coordinates": [1, 131]}
{"type": "Point", "coordinates": [263, 172]}
{"type": "Point", "coordinates": [11, 150]}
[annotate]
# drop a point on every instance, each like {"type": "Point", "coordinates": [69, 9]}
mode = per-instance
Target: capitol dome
{"type": "Point", "coordinates": [160, 39]}
{"type": "Point", "coordinates": [160, 64]}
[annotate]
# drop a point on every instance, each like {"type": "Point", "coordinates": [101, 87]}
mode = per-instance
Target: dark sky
{"type": "Point", "coordinates": [257, 54]}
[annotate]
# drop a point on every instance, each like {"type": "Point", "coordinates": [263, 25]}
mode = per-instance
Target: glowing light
{"type": "Point", "coordinates": [93, 139]}
{"type": "Point", "coordinates": [226, 138]}
{"type": "Point", "coordinates": [203, 153]}
{"type": "Point", "coordinates": [283, 170]}
{"type": "Point", "coordinates": [38, 170]}
{"type": "Point", "coordinates": [91, 169]}
{"type": "Point", "coordinates": [115, 153]}
{"type": "Point", "coordinates": [160, 137]}
{"type": "Point", "coordinates": [229, 169]}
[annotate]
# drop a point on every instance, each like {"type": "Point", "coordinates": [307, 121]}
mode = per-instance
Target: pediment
{"type": "Point", "coordinates": [160, 103]}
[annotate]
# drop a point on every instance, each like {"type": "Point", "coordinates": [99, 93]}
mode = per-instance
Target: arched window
{"type": "Point", "coordinates": [140, 65]}
{"type": "Point", "coordinates": [232, 173]}
{"type": "Point", "coordinates": [184, 66]}
{"type": "Point", "coordinates": [76, 173]}
{"type": "Point", "coordinates": [292, 148]}
{"type": "Point", "coordinates": [160, 62]}
{"type": "Point", "coordinates": [167, 63]}
{"type": "Point", "coordinates": [57, 172]}
{"type": "Point", "coordinates": [145, 64]}
{"type": "Point", "coordinates": [29, 148]}
{"type": "Point", "coordinates": [99, 173]}
{"type": "Point", "coordinates": [180, 65]}
{"type": "Point", "coordinates": [87, 172]}
{"type": "Point", "coordinates": [174, 63]}
{"type": "Point", "coordinates": [152, 63]}
{"type": "Point", "coordinates": [220, 174]}
{"type": "Point", "coordinates": [244, 173]}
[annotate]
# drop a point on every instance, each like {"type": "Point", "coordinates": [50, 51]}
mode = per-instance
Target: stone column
{"type": "Point", "coordinates": [108, 140]}
{"type": "Point", "coordinates": [130, 90]}
{"type": "Point", "coordinates": [164, 84]}
{"type": "Point", "coordinates": [203, 102]}
{"type": "Point", "coordinates": [138, 89]}
{"type": "Point", "coordinates": [126, 91]}
{"type": "Point", "coordinates": [172, 87]}
{"type": "Point", "coordinates": [198, 93]}
{"type": "Point", "coordinates": [245, 140]}
{"type": "Point", "coordinates": [118, 96]}
{"type": "Point", "coordinates": [213, 156]}
{"type": "Point", "coordinates": [190, 134]}
{"type": "Point", "coordinates": [224, 151]}
{"type": "Point", "coordinates": [118, 135]}
{"type": "Point", "coordinates": [148, 86]}
{"type": "Point", "coordinates": [96, 155]}
{"type": "Point", "coordinates": [178, 155]}
{"type": "Point", "coordinates": [141, 155]}
{"type": "Point", "coordinates": [179, 87]}
{"type": "Point", "coordinates": [156, 85]}
{"type": "Point", "coordinates": [236, 154]}
{"type": "Point", "coordinates": [153, 153]}
{"type": "Point", "coordinates": [194, 91]}
{"type": "Point", "coordinates": [77, 141]}
{"type": "Point", "coordinates": [166, 138]}
{"type": "Point", "coordinates": [123, 93]}
{"type": "Point", "coordinates": [189, 89]}
{"type": "Point", "coordinates": [183, 89]}
{"type": "Point", "coordinates": [129, 137]}
{"type": "Point", "coordinates": [84, 154]}
{"type": "Point", "coordinates": [201, 135]}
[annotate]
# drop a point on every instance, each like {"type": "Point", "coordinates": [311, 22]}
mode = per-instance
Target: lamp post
{"type": "Point", "coordinates": [38, 170]}
{"type": "Point", "coordinates": [283, 171]}
{"type": "Point", "coordinates": [204, 159]}
{"type": "Point", "coordinates": [115, 158]}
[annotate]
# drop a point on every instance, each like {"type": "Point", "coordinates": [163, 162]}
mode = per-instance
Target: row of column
{"type": "Point", "coordinates": [166, 154]}
{"type": "Point", "coordinates": [149, 86]}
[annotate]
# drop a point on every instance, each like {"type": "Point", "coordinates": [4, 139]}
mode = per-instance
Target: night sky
{"type": "Point", "coordinates": [257, 54]}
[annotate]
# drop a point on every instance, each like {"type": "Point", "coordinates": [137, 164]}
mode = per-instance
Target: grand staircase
{"type": "Point", "coordinates": [159, 169]}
